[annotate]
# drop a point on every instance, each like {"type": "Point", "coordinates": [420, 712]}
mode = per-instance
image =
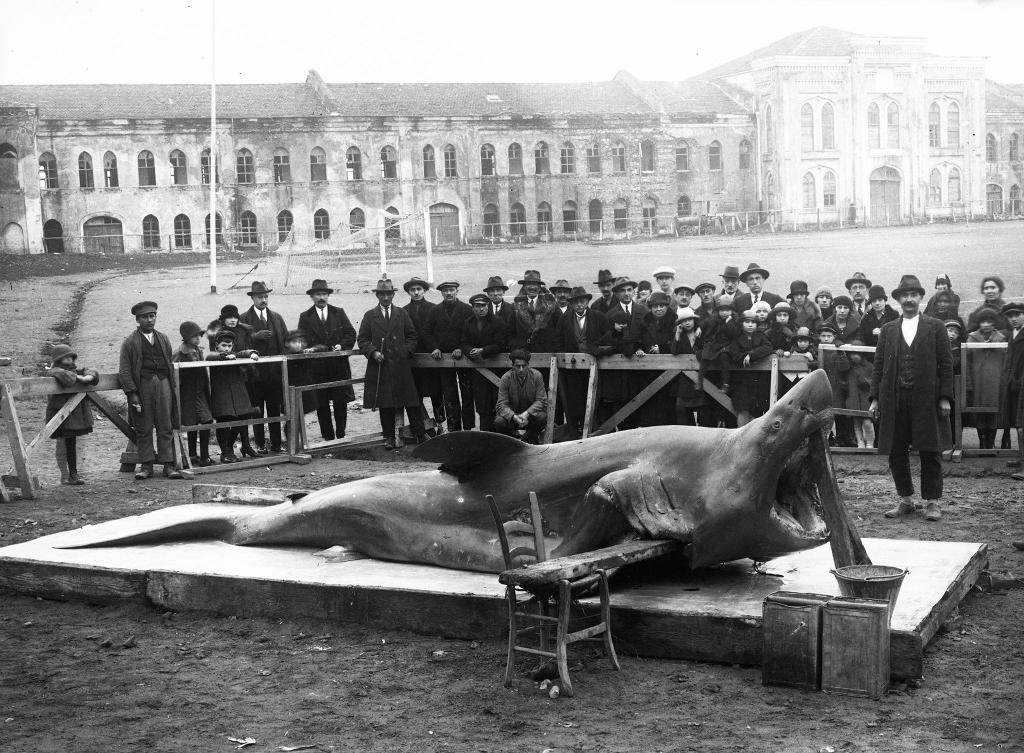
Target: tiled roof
{"type": "Point", "coordinates": [697, 97]}
{"type": "Point", "coordinates": [815, 42]}
{"type": "Point", "coordinates": [1004, 97]}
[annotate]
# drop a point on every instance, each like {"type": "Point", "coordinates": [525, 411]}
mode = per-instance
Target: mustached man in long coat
{"type": "Point", "coordinates": [327, 328]}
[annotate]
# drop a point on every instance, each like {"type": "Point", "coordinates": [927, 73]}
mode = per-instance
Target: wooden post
{"type": "Point", "coordinates": [286, 405]}
{"type": "Point", "coordinates": [773, 390]}
{"type": "Point", "coordinates": [591, 406]}
{"type": "Point", "coordinates": [17, 443]}
{"type": "Point", "coordinates": [549, 430]}
{"type": "Point", "coordinates": [847, 547]}
{"type": "Point", "coordinates": [383, 241]}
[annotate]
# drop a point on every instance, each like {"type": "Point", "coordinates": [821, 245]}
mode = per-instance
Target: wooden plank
{"type": "Point", "coordinates": [489, 375]}
{"type": "Point", "coordinates": [53, 424]}
{"type": "Point", "coordinates": [773, 387]}
{"type": "Point", "coordinates": [108, 410]}
{"type": "Point", "coordinates": [578, 565]}
{"type": "Point", "coordinates": [549, 429]}
{"type": "Point", "coordinates": [713, 392]}
{"type": "Point", "coordinates": [242, 495]}
{"type": "Point", "coordinates": [590, 411]}
{"type": "Point", "coordinates": [259, 462]}
{"type": "Point", "coordinates": [639, 399]}
{"type": "Point", "coordinates": [5, 361]}
{"type": "Point", "coordinates": [847, 547]}
{"type": "Point", "coordinates": [17, 442]}
{"type": "Point", "coordinates": [72, 581]}
{"type": "Point", "coordinates": [45, 386]}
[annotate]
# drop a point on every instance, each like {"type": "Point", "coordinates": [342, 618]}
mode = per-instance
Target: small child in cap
{"type": "Point", "coordinates": [749, 387]}
{"type": "Point", "coordinates": [858, 387]}
{"type": "Point", "coordinates": [780, 334]}
{"type": "Point", "coordinates": [67, 373]}
{"type": "Point", "coordinates": [194, 393]}
{"type": "Point", "coordinates": [835, 364]}
{"type": "Point", "coordinates": [229, 397]}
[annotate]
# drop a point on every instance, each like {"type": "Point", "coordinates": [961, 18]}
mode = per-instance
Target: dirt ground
{"type": "Point", "coordinates": [107, 678]}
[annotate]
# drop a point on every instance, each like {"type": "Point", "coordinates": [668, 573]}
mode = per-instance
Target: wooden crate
{"type": "Point", "coordinates": [855, 647]}
{"type": "Point", "coordinates": [791, 632]}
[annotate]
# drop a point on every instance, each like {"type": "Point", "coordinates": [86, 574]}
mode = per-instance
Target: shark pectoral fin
{"type": "Point", "coordinates": [295, 496]}
{"type": "Point", "coordinates": [459, 450]}
{"type": "Point", "coordinates": [642, 497]}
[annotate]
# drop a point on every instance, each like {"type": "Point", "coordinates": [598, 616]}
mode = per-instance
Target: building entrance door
{"type": "Point", "coordinates": [885, 195]}
{"type": "Point", "coordinates": [103, 235]}
{"type": "Point", "coordinates": [444, 224]}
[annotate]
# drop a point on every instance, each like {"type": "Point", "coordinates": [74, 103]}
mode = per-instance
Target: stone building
{"type": "Point", "coordinates": [819, 126]}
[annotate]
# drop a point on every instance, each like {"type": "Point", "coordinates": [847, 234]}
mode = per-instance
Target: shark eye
{"type": "Point", "coordinates": [776, 425]}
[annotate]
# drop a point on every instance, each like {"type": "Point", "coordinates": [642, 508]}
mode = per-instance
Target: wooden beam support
{"type": "Point", "coordinates": [549, 430]}
{"type": "Point", "coordinates": [847, 547]}
{"type": "Point", "coordinates": [590, 411]}
{"type": "Point", "coordinates": [642, 397]}
{"type": "Point", "coordinates": [243, 495]}
{"type": "Point", "coordinates": [17, 442]}
{"type": "Point", "coordinates": [108, 410]}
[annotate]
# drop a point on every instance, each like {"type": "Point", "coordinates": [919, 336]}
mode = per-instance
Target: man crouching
{"type": "Point", "coordinates": [522, 400]}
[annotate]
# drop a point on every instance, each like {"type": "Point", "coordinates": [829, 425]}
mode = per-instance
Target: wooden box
{"type": "Point", "coordinates": [855, 647]}
{"type": "Point", "coordinates": [791, 634]}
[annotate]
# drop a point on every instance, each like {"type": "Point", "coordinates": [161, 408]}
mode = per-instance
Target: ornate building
{"type": "Point", "coordinates": [820, 125]}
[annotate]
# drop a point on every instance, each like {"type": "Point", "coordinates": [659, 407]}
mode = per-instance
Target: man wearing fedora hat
{"type": "Point", "coordinates": [327, 329]}
{"type": "Point", "coordinates": [1011, 393]}
{"type": "Point", "coordinates": [582, 330]}
{"type": "Point", "coordinates": [495, 290]}
{"type": "Point", "coordinates": [858, 287]}
{"type": "Point", "coordinates": [911, 395]}
{"type": "Point", "coordinates": [387, 338]}
{"type": "Point", "coordinates": [753, 277]}
{"type": "Point", "coordinates": [607, 301]}
{"type": "Point", "coordinates": [150, 384]}
{"type": "Point", "coordinates": [560, 290]}
{"type": "Point", "coordinates": [443, 335]}
{"type": "Point", "coordinates": [535, 322]}
{"type": "Point", "coordinates": [427, 383]}
{"type": "Point", "coordinates": [730, 280]}
{"type": "Point", "coordinates": [636, 313]}
{"type": "Point", "coordinates": [269, 331]}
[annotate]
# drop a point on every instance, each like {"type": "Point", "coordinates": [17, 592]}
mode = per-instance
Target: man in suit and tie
{"type": "Point", "coordinates": [428, 383]}
{"type": "Point", "coordinates": [858, 287]}
{"type": "Point", "coordinates": [911, 395]}
{"type": "Point", "coordinates": [327, 328]}
{"type": "Point", "coordinates": [443, 335]}
{"type": "Point", "coordinates": [495, 290]}
{"type": "Point", "coordinates": [387, 338]}
{"type": "Point", "coordinates": [754, 277]}
{"type": "Point", "coordinates": [560, 290]}
{"type": "Point", "coordinates": [625, 290]}
{"type": "Point", "coordinates": [582, 330]}
{"type": "Point", "coordinates": [607, 301]}
{"type": "Point", "coordinates": [269, 332]}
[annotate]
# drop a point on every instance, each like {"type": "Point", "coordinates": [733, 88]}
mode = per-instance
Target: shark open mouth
{"type": "Point", "coordinates": [797, 504]}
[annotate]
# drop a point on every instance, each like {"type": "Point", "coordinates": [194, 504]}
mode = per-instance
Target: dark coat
{"type": "Point", "coordinates": [535, 328]}
{"type": "Point", "coordinates": [933, 379]}
{"type": "Point", "coordinates": [847, 333]}
{"type": "Point", "coordinates": [1002, 322]}
{"type": "Point", "coordinates": [272, 346]}
{"type": "Point", "coordinates": [836, 365]}
{"type": "Point", "coordinates": [80, 420]}
{"type": "Point", "coordinates": [195, 387]}
{"type": "Point", "coordinates": [129, 371]}
{"type": "Point", "coordinates": [321, 338]}
{"type": "Point", "coordinates": [749, 386]}
{"type": "Point", "coordinates": [444, 326]}
{"type": "Point", "coordinates": [419, 313]}
{"type": "Point", "coordinates": [808, 315]}
{"type": "Point", "coordinates": [871, 322]}
{"type": "Point", "coordinates": [507, 314]}
{"type": "Point", "coordinates": [744, 301]}
{"type": "Point", "coordinates": [492, 337]}
{"type": "Point", "coordinates": [388, 384]}
{"type": "Point", "coordinates": [596, 329]}
{"type": "Point", "coordinates": [1011, 389]}
{"type": "Point", "coordinates": [931, 308]}
{"type": "Point", "coordinates": [229, 397]}
{"type": "Point", "coordinates": [243, 346]}
{"type": "Point", "coordinates": [604, 305]}
{"type": "Point", "coordinates": [635, 331]}
{"type": "Point", "coordinates": [780, 336]}
{"type": "Point", "coordinates": [686, 390]}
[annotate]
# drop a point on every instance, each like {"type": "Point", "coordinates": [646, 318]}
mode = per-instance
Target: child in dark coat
{"type": "Point", "coordinates": [657, 337]}
{"type": "Point", "coordinates": [194, 389]}
{"type": "Point", "coordinates": [858, 385]}
{"type": "Point", "coordinates": [834, 363]}
{"type": "Point", "coordinates": [229, 398]}
{"type": "Point", "coordinates": [79, 421]}
{"type": "Point", "coordinates": [780, 333]}
{"type": "Point", "coordinates": [688, 341]}
{"type": "Point", "coordinates": [749, 387]}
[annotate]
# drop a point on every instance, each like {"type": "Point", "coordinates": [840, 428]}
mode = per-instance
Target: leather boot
{"type": "Point", "coordinates": [932, 511]}
{"type": "Point", "coordinates": [171, 472]}
{"type": "Point", "coordinates": [905, 507]}
{"type": "Point", "coordinates": [145, 471]}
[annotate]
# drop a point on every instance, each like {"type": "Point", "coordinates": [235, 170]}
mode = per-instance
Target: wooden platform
{"type": "Point", "coordinates": [715, 616]}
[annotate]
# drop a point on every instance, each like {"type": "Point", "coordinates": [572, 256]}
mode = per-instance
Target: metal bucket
{"type": "Point", "coordinates": [871, 582]}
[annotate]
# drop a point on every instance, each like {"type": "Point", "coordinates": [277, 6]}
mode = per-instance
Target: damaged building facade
{"type": "Point", "coordinates": [821, 126]}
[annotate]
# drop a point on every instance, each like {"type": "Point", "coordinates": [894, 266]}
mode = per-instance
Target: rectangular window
{"type": "Point", "coordinates": [682, 159]}
{"type": "Point", "coordinates": [621, 215]}
{"type": "Point", "coordinates": [618, 159]}
{"type": "Point", "coordinates": [647, 156]}
{"type": "Point", "coordinates": [147, 173]}
{"type": "Point", "coordinates": [934, 127]}
{"type": "Point", "coordinates": [874, 127]}
{"type": "Point", "coordinates": [282, 169]}
{"type": "Point", "coordinates": [715, 156]}
{"type": "Point", "coordinates": [828, 197]}
{"type": "Point", "coordinates": [450, 166]}
{"type": "Point", "coordinates": [541, 166]}
{"type": "Point", "coordinates": [953, 126]}
{"type": "Point", "coordinates": [567, 161]}
{"type": "Point", "coordinates": [892, 130]}
{"type": "Point", "coordinates": [321, 226]}
{"type": "Point", "coordinates": [594, 158]}
{"type": "Point", "coordinates": [179, 175]}
{"type": "Point", "coordinates": [515, 160]}
{"type": "Point", "coordinates": [744, 155]}
{"type": "Point", "coordinates": [245, 171]}
{"type": "Point", "coordinates": [318, 168]}
{"type": "Point", "coordinates": [429, 166]}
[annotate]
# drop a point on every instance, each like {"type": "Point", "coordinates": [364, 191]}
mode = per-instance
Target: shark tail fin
{"type": "Point", "coordinates": [183, 523]}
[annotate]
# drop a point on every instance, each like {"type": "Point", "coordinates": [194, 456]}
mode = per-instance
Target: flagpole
{"type": "Point", "coordinates": [213, 147]}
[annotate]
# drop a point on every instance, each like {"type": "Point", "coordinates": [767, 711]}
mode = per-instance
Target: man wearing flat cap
{"type": "Point", "coordinates": [149, 382]}
{"type": "Point", "coordinates": [269, 331]}
{"type": "Point", "coordinates": [428, 386]}
{"type": "Point", "coordinates": [911, 396]}
{"type": "Point", "coordinates": [328, 328]}
{"type": "Point", "coordinates": [754, 277]}
{"type": "Point", "coordinates": [443, 335]}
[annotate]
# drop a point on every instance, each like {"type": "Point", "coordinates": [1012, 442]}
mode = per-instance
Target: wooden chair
{"type": "Point", "coordinates": [546, 609]}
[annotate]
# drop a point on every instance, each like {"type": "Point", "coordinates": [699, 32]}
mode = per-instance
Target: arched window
{"type": "Point", "coordinates": [567, 159]}
{"type": "Point", "coordinates": [219, 230]}
{"type": "Point", "coordinates": [429, 165]}
{"type": "Point", "coordinates": [874, 126]}
{"type": "Point", "coordinates": [596, 212]}
{"type": "Point", "coordinates": [934, 125]}
{"type": "Point", "coordinates": [353, 164]}
{"type": "Point", "coordinates": [110, 179]}
{"type": "Point", "coordinates": [769, 130]}
{"type": "Point", "coordinates": [451, 167]}
{"type": "Point", "coordinates": [147, 168]}
{"type": "Point", "coordinates": [650, 214]}
{"type": "Point", "coordinates": [594, 158]}
{"type": "Point", "coordinates": [714, 156]}
{"type": "Point", "coordinates": [570, 216]}
{"type": "Point", "coordinates": [492, 222]}
{"type": "Point", "coordinates": [392, 230]}
{"type": "Point", "coordinates": [517, 220]}
{"type": "Point", "coordinates": [619, 157]}
{"type": "Point", "coordinates": [179, 168]}
{"type": "Point", "coordinates": [7, 151]}
{"type": "Point", "coordinates": [745, 152]}
{"type": "Point", "coordinates": [953, 186]}
{"type": "Point", "coordinates": [47, 171]}
{"type": "Point", "coordinates": [935, 188]}
{"type": "Point", "coordinates": [953, 125]}
{"type": "Point", "coordinates": [892, 126]}
{"type": "Point", "coordinates": [1013, 148]}
{"type": "Point", "coordinates": [388, 163]}
{"type": "Point", "coordinates": [991, 153]}
{"type": "Point", "coordinates": [769, 190]}
{"type": "Point", "coordinates": [284, 225]}
{"type": "Point", "coordinates": [515, 159]}
{"type": "Point", "coordinates": [53, 237]}
{"type": "Point", "coordinates": [683, 206]}
{"type": "Point", "coordinates": [544, 224]}
{"type": "Point", "coordinates": [541, 165]}
{"type": "Point", "coordinates": [682, 158]}
{"type": "Point", "coordinates": [317, 165]}
{"type": "Point", "coordinates": [488, 161]}
{"type": "Point", "coordinates": [10, 178]}
{"type": "Point", "coordinates": [356, 220]}
{"type": "Point", "coordinates": [828, 190]}
{"type": "Point", "coordinates": [647, 156]}
{"type": "Point", "coordinates": [282, 166]}
{"type": "Point", "coordinates": [182, 231]}
{"type": "Point", "coordinates": [245, 167]}
{"type": "Point", "coordinates": [807, 128]}
{"type": "Point", "coordinates": [810, 198]}
{"type": "Point", "coordinates": [620, 212]}
{"type": "Point", "coordinates": [994, 199]}
{"type": "Point", "coordinates": [247, 235]}
{"type": "Point", "coordinates": [1014, 200]}
{"type": "Point", "coordinates": [85, 176]}
{"type": "Point", "coordinates": [150, 233]}
{"type": "Point", "coordinates": [321, 225]}
{"type": "Point", "coordinates": [828, 126]}
{"type": "Point", "coordinates": [204, 167]}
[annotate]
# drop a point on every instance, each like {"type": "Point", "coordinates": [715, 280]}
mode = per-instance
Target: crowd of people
{"type": "Point", "coordinates": [727, 326]}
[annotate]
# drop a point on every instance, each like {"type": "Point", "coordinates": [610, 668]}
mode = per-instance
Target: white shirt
{"type": "Point", "coordinates": [628, 308]}
{"type": "Point", "coordinates": [385, 312]}
{"type": "Point", "coordinates": [1015, 333]}
{"type": "Point", "coordinates": [323, 314]}
{"type": "Point", "coordinates": [262, 313]}
{"type": "Point", "coordinates": [148, 336]}
{"type": "Point", "coordinates": [909, 328]}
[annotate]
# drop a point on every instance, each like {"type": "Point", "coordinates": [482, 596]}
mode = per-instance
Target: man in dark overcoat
{"type": "Point", "coordinates": [625, 291]}
{"type": "Point", "coordinates": [604, 282]}
{"type": "Point", "coordinates": [754, 277]}
{"type": "Point", "coordinates": [443, 335]}
{"type": "Point", "coordinates": [428, 384]}
{"type": "Point", "coordinates": [495, 290]}
{"type": "Point", "coordinates": [387, 338]}
{"type": "Point", "coordinates": [150, 384]}
{"type": "Point", "coordinates": [911, 395]}
{"type": "Point", "coordinates": [269, 332]}
{"type": "Point", "coordinates": [327, 328]}
{"type": "Point", "coordinates": [1011, 386]}
{"type": "Point", "coordinates": [582, 330]}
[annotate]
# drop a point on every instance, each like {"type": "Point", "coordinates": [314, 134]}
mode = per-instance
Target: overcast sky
{"type": "Point", "coordinates": [169, 41]}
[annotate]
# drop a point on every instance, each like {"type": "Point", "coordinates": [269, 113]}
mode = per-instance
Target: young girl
{"type": "Point", "coordinates": [229, 398]}
{"type": "Point", "coordinates": [79, 421]}
{"type": "Point", "coordinates": [688, 341]}
{"type": "Point", "coordinates": [659, 328]}
{"type": "Point", "coordinates": [844, 322]}
{"type": "Point", "coordinates": [194, 389]}
{"type": "Point", "coordinates": [858, 385]}
{"type": "Point", "coordinates": [984, 371]}
{"type": "Point", "coordinates": [749, 388]}
{"type": "Point", "coordinates": [780, 334]}
{"type": "Point", "coordinates": [835, 364]}
{"type": "Point", "coordinates": [824, 300]}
